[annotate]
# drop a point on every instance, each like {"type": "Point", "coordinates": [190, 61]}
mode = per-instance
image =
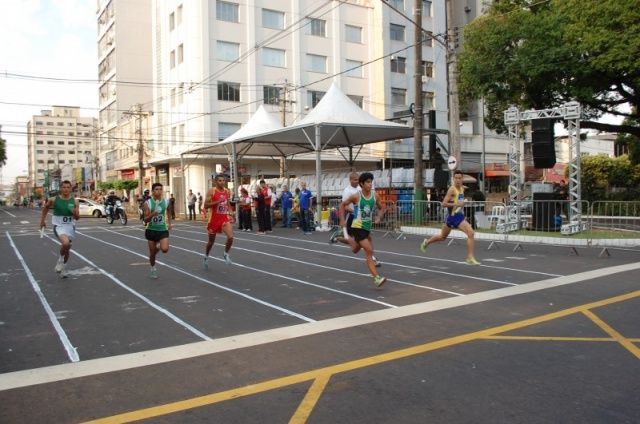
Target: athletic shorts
{"type": "Point", "coordinates": [358, 234]}
{"type": "Point", "coordinates": [215, 225]}
{"type": "Point", "coordinates": [153, 235]}
{"type": "Point", "coordinates": [454, 220]}
{"type": "Point", "coordinates": [68, 230]}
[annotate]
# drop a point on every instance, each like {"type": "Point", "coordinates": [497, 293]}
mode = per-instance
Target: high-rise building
{"type": "Point", "coordinates": [124, 73]}
{"type": "Point", "coordinates": [61, 146]}
{"type": "Point", "coordinates": [216, 61]}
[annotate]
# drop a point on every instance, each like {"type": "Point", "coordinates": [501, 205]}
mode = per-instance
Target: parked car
{"type": "Point", "coordinates": [91, 208]}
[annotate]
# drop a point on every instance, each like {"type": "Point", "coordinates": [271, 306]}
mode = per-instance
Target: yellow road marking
{"type": "Point", "coordinates": [310, 400]}
{"type": "Point", "coordinates": [326, 372]}
{"type": "Point", "coordinates": [552, 338]}
{"type": "Point", "coordinates": [613, 333]}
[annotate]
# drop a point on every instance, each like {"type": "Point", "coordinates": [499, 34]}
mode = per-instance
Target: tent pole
{"type": "Point", "coordinates": [318, 176]}
{"type": "Point", "coordinates": [234, 171]}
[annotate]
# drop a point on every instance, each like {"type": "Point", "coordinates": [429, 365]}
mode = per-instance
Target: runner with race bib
{"type": "Point", "coordinates": [158, 224]}
{"type": "Point", "coordinates": [218, 201]}
{"type": "Point", "coordinates": [66, 211]}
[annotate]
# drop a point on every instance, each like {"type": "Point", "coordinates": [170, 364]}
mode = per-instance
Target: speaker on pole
{"type": "Point", "coordinates": [542, 143]}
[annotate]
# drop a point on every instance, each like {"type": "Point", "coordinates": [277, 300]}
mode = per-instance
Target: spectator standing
{"type": "Point", "coordinates": [266, 192]}
{"type": "Point", "coordinates": [260, 206]}
{"type": "Point", "coordinates": [172, 207]}
{"type": "Point", "coordinates": [274, 204]}
{"type": "Point", "coordinates": [304, 200]}
{"type": "Point", "coordinates": [191, 205]}
{"type": "Point", "coordinates": [245, 210]}
{"type": "Point", "coordinates": [201, 209]}
{"type": "Point", "coordinates": [286, 203]}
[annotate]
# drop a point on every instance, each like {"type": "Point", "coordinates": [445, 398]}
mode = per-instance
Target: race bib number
{"type": "Point", "coordinates": [158, 219]}
{"type": "Point", "coordinates": [366, 214]}
{"type": "Point", "coordinates": [223, 207]}
{"type": "Point", "coordinates": [67, 219]}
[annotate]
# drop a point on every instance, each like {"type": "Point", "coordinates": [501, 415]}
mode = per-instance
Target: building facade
{"type": "Point", "coordinates": [124, 73]}
{"type": "Point", "coordinates": [61, 145]}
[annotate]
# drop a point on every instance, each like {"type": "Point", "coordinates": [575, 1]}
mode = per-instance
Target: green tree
{"type": "Point", "coordinates": [3, 152]}
{"type": "Point", "coordinates": [600, 174]}
{"type": "Point", "coordinates": [541, 54]}
{"type": "Point", "coordinates": [106, 185]}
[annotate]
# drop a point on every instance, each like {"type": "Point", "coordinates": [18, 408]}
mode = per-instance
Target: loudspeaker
{"type": "Point", "coordinates": [542, 143]}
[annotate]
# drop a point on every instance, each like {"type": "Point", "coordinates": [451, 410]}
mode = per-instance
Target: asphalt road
{"type": "Point", "coordinates": [295, 330]}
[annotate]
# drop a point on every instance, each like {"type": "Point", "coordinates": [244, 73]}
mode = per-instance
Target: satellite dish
{"type": "Point", "coordinates": [452, 163]}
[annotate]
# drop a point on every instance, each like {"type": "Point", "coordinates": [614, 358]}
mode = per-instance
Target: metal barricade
{"type": "Point", "coordinates": [614, 224]}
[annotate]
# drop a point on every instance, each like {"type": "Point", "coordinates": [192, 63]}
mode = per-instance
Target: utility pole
{"type": "Point", "coordinates": [138, 114]}
{"type": "Point", "coordinates": [418, 118]}
{"type": "Point", "coordinates": [283, 102]}
{"type": "Point", "coordinates": [452, 73]}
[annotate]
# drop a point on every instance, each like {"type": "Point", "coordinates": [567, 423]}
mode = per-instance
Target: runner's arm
{"type": "Point", "coordinates": [76, 210]}
{"type": "Point", "coordinates": [343, 205]}
{"type": "Point", "coordinates": [382, 208]}
{"type": "Point", "coordinates": [147, 212]}
{"type": "Point", "coordinates": [45, 210]}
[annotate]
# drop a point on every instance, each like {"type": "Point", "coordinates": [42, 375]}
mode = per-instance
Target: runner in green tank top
{"type": "Point", "coordinates": [66, 211]}
{"type": "Point", "coordinates": [158, 223]}
{"type": "Point", "coordinates": [358, 235]}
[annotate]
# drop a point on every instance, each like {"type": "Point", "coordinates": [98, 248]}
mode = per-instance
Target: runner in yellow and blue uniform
{"type": "Point", "coordinates": [357, 235]}
{"type": "Point", "coordinates": [158, 225]}
{"type": "Point", "coordinates": [454, 202]}
{"type": "Point", "coordinates": [66, 211]}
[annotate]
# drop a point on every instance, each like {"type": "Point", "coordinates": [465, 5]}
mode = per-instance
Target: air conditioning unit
{"type": "Point", "coordinates": [393, 57]}
{"type": "Point", "coordinates": [425, 79]}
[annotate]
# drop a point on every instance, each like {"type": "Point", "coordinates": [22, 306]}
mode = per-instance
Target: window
{"type": "Point", "coordinates": [227, 51]}
{"type": "Point", "coordinates": [181, 133]}
{"type": "Point", "coordinates": [38, 122]}
{"type": "Point", "coordinates": [398, 64]}
{"type": "Point", "coordinates": [60, 124]}
{"type": "Point", "coordinates": [71, 152]}
{"type": "Point", "coordinates": [60, 143]}
{"type": "Point", "coordinates": [353, 34]}
{"type": "Point", "coordinates": [314, 97]}
{"type": "Point", "coordinates": [398, 4]}
{"type": "Point", "coordinates": [428, 39]}
{"type": "Point", "coordinates": [226, 11]}
{"type": "Point", "coordinates": [356, 99]}
{"type": "Point", "coordinates": [225, 129]}
{"type": "Point", "coordinates": [427, 69]}
{"type": "Point", "coordinates": [316, 63]}
{"type": "Point", "coordinates": [172, 59]}
{"type": "Point", "coordinates": [273, 57]}
{"type": "Point", "coordinates": [71, 133]}
{"type": "Point", "coordinates": [61, 162]}
{"type": "Point", "coordinates": [72, 161]}
{"type": "Point", "coordinates": [40, 152]}
{"type": "Point", "coordinates": [181, 53]}
{"type": "Point", "coordinates": [426, 7]}
{"type": "Point", "coordinates": [180, 92]}
{"type": "Point", "coordinates": [427, 102]}
{"type": "Point", "coordinates": [172, 21]}
{"type": "Point", "coordinates": [50, 124]}
{"type": "Point", "coordinates": [50, 152]}
{"type": "Point", "coordinates": [70, 124]}
{"type": "Point", "coordinates": [353, 68]}
{"type": "Point", "coordinates": [173, 97]}
{"type": "Point", "coordinates": [39, 142]}
{"type": "Point", "coordinates": [272, 19]}
{"type": "Point", "coordinates": [179, 15]}
{"type": "Point", "coordinates": [398, 97]}
{"type": "Point", "coordinates": [49, 143]}
{"type": "Point", "coordinates": [71, 143]}
{"type": "Point", "coordinates": [173, 134]}
{"type": "Point", "coordinates": [317, 27]}
{"type": "Point", "coordinates": [397, 32]}
{"type": "Point", "coordinates": [229, 91]}
{"type": "Point", "coordinates": [271, 95]}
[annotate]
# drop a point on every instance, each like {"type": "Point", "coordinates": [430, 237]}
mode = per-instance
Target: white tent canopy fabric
{"type": "Point", "coordinates": [335, 122]}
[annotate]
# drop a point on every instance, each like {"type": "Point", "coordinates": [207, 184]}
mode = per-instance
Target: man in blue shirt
{"type": "Point", "coordinates": [305, 203]}
{"type": "Point", "coordinates": [286, 202]}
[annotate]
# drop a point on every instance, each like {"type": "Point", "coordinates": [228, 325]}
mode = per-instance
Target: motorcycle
{"type": "Point", "coordinates": [116, 212]}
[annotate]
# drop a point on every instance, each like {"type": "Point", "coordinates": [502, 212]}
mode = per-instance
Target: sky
{"type": "Point", "coordinates": [43, 38]}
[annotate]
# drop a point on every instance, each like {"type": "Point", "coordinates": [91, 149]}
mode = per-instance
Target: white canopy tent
{"type": "Point", "coordinates": [335, 122]}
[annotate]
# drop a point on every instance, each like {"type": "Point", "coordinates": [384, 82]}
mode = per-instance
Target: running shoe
{"type": "Point", "coordinates": [64, 273]}
{"type": "Point", "coordinates": [205, 263]}
{"type": "Point", "coordinates": [227, 258]}
{"type": "Point", "coordinates": [334, 236]}
{"type": "Point", "coordinates": [376, 262]}
{"type": "Point", "coordinates": [379, 280]}
{"type": "Point", "coordinates": [472, 261]}
{"type": "Point", "coordinates": [154, 273]}
{"type": "Point", "coordinates": [424, 245]}
{"type": "Point", "coordinates": [59, 265]}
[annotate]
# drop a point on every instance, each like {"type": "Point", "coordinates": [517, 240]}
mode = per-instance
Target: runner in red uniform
{"type": "Point", "coordinates": [218, 201]}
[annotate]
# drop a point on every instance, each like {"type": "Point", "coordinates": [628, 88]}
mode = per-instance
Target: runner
{"type": "Point", "coordinates": [351, 189]}
{"type": "Point", "coordinates": [365, 200]}
{"type": "Point", "coordinates": [158, 226]}
{"type": "Point", "coordinates": [66, 211]}
{"type": "Point", "coordinates": [218, 200]}
{"type": "Point", "coordinates": [454, 202]}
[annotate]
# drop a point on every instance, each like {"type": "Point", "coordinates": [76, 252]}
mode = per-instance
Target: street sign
{"type": "Point", "coordinates": [452, 163]}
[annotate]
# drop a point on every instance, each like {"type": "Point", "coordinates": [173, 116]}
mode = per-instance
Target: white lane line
{"type": "Point", "coordinates": [25, 378]}
{"type": "Point", "coordinates": [519, 258]}
{"type": "Point", "coordinates": [24, 222]}
{"type": "Point", "coordinates": [473, 277]}
{"type": "Point", "coordinates": [72, 353]}
{"type": "Point", "coordinates": [388, 252]}
{"type": "Point", "coordinates": [341, 270]}
{"type": "Point", "coordinates": [220, 286]}
{"type": "Point", "coordinates": [492, 260]}
{"type": "Point", "coordinates": [140, 296]}
{"type": "Point", "coordinates": [7, 212]}
{"type": "Point", "coordinates": [388, 305]}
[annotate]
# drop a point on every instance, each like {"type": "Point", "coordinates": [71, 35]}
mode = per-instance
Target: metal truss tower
{"type": "Point", "coordinates": [570, 112]}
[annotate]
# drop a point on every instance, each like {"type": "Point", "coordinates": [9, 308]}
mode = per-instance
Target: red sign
{"type": "Point", "coordinates": [128, 174]}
